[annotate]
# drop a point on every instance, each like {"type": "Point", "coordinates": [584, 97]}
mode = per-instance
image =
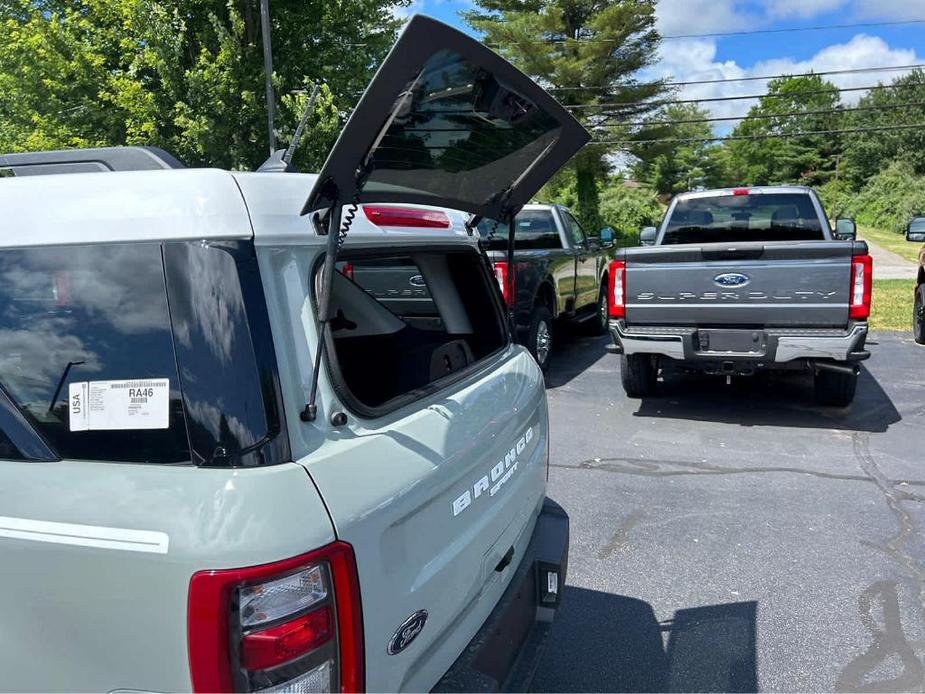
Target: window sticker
{"type": "Point", "coordinates": [111, 405]}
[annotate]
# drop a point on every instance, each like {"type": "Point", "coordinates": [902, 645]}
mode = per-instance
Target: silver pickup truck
{"type": "Point", "coordinates": [741, 280]}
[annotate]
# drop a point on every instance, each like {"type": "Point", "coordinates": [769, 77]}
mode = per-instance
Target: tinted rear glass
{"type": "Point", "coordinates": [741, 218]}
{"type": "Point", "coordinates": [88, 315]}
{"type": "Point", "coordinates": [456, 120]}
{"type": "Point", "coordinates": [536, 229]}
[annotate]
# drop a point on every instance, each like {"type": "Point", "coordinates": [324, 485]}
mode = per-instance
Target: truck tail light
{"type": "Point", "coordinates": [504, 281]}
{"type": "Point", "coordinates": [346, 269]}
{"type": "Point", "coordinates": [289, 626]}
{"type": "Point", "coordinates": [616, 279]}
{"type": "Point", "coordinates": [862, 272]}
{"type": "Point", "coordinates": [406, 217]}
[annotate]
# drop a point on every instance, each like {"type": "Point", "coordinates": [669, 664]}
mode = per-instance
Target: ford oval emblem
{"type": "Point", "coordinates": [417, 281]}
{"type": "Point", "coordinates": [407, 632]}
{"type": "Point", "coordinates": [731, 279]}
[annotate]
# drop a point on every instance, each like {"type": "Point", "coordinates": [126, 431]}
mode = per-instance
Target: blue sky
{"type": "Point", "coordinates": [768, 54]}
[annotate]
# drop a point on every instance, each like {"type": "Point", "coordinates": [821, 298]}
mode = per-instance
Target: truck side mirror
{"type": "Point", "coordinates": [607, 236]}
{"type": "Point", "coordinates": [845, 229]}
{"type": "Point", "coordinates": [647, 236]}
{"type": "Point", "coordinates": [915, 230]}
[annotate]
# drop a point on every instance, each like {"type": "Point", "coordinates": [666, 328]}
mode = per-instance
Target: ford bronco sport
{"type": "Point", "coordinates": [225, 465]}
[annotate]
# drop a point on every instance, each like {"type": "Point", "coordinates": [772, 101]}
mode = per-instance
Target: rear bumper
{"type": "Point", "coordinates": [504, 653]}
{"type": "Point", "coordinates": [777, 346]}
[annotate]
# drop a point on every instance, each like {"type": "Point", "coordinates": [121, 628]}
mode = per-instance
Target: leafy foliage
{"type": "Point", "coordinates": [866, 154]}
{"type": "Point", "coordinates": [890, 199]}
{"type": "Point", "coordinates": [185, 76]}
{"type": "Point", "coordinates": [792, 105]}
{"type": "Point", "coordinates": [673, 167]}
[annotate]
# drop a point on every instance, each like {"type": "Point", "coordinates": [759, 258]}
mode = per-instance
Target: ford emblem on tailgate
{"type": "Point", "coordinates": [731, 279]}
{"type": "Point", "coordinates": [407, 632]}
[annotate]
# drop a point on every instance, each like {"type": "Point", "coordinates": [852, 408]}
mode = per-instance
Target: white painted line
{"type": "Point", "coordinates": [84, 535]}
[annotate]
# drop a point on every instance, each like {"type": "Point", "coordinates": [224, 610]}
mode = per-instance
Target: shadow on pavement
{"type": "Point", "coordinates": [573, 354]}
{"type": "Point", "coordinates": [783, 399]}
{"type": "Point", "coordinates": [606, 642]}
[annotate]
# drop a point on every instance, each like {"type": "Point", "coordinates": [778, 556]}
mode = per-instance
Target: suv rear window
{"type": "Point", "coordinates": [741, 218]}
{"type": "Point", "coordinates": [408, 323]}
{"type": "Point", "coordinates": [535, 230]}
{"type": "Point", "coordinates": [89, 314]}
{"type": "Point", "coordinates": [156, 353]}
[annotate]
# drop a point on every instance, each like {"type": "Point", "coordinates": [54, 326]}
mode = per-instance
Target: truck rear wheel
{"type": "Point", "coordinates": [835, 388]}
{"type": "Point", "coordinates": [598, 324]}
{"type": "Point", "coordinates": [918, 315]}
{"type": "Point", "coordinates": [638, 373]}
{"type": "Point", "coordinates": [539, 337]}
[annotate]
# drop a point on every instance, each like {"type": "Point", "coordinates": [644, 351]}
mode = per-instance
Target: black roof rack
{"type": "Point", "coordinates": [89, 160]}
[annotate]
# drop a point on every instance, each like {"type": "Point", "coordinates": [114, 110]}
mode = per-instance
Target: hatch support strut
{"type": "Point", "coordinates": [335, 234]}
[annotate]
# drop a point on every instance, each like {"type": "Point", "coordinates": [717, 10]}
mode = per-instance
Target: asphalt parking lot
{"type": "Point", "coordinates": [739, 538]}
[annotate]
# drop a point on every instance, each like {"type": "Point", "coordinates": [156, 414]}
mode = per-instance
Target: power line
{"type": "Point", "coordinates": [820, 112]}
{"type": "Point", "coordinates": [718, 34]}
{"type": "Point", "coordinates": [701, 100]}
{"type": "Point", "coordinates": [767, 136]}
{"type": "Point", "coordinates": [821, 27]}
{"type": "Point", "coordinates": [849, 71]}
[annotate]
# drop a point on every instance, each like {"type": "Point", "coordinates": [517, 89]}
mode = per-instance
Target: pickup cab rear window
{"type": "Point", "coordinates": [535, 230]}
{"type": "Point", "coordinates": [741, 218]}
{"type": "Point", "coordinates": [407, 324]}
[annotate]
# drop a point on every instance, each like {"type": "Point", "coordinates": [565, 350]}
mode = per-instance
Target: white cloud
{"type": "Point", "coordinates": [687, 60]}
{"type": "Point", "coordinates": [702, 16]}
{"type": "Point", "coordinates": [889, 9]}
{"type": "Point", "coordinates": [803, 9]}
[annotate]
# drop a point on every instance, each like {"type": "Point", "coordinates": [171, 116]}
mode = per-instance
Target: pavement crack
{"type": "Point", "coordinates": [620, 538]}
{"type": "Point", "coordinates": [888, 638]}
{"type": "Point", "coordinates": [676, 468]}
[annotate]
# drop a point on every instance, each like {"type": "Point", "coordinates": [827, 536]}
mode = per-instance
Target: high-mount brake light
{"type": "Point", "coordinates": [501, 274]}
{"type": "Point", "coordinates": [290, 626]}
{"type": "Point", "coordinates": [406, 217]}
{"type": "Point", "coordinates": [741, 191]}
{"type": "Point", "coordinates": [862, 272]}
{"type": "Point", "coordinates": [616, 280]}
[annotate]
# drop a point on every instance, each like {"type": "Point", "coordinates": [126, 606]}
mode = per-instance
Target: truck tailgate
{"type": "Point", "coordinates": [774, 284]}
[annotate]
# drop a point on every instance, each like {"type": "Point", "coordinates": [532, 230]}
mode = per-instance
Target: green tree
{"type": "Point", "coordinates": [587, 52]}
{"type": "Point", "coordinates": [672, 167]}
{"type": "Point", "coordinates": [628, 208]}
{"type": "Point", "coordinates": [186, 76]}
{"type": "Point", "coordinates": [792, 105]}
{"type": "Point", "coordinates": [867, 153]}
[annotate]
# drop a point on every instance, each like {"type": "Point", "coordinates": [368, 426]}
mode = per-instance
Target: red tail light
{"type": "Point", "coordinates": [406, 217]}
{"type": "Point", "coordinates": [741, 191]}
{"type": "Point", "coordinates": [504, 281]}
{"type": "Point", "coordinates": [347, 270]}
{"type": "Point", "coordinates": [862, 273]}
{"type": "Point", "coordinates": [616, 279]}
{"type": "Point", "coordinates": [294, 624]}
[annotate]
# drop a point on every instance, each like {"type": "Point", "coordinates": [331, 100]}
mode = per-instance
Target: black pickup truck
{"type": "Point", "coordinates": [560, 274]}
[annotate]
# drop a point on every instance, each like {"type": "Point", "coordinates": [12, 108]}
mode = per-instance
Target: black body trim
{"type": "Point", "coordinates": [505, 652]}
{"type": "Point", "coordinates": [89, 160]}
